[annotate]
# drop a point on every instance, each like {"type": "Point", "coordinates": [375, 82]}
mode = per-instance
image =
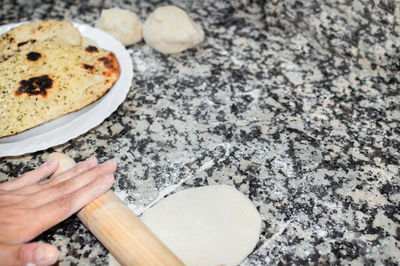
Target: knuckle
{"type": "Point", "coordinates": [65, 203]}
{"type": "Point", "coordinates": [12, 216]}
{"type": "Point", "coordinates": [8, 199]}
{"type": "Point", "coordinates": [79, 168]}
{"type": "Point", "coordinates": [62, 188]}
{"type": "Point", "coordinates": [33, 188]}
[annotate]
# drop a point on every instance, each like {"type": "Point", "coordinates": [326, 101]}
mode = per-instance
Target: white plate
{"type": "Point", "coordinates": [70, 126]}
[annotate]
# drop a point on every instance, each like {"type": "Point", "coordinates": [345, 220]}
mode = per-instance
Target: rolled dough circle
{"type": "Point", "coordinates": [210, 225]}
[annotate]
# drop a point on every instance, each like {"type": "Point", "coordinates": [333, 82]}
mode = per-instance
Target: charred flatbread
{"type": "Point", "coordinates": [49, 79]}
{"type": "Point", "coordinates": [26, 35]}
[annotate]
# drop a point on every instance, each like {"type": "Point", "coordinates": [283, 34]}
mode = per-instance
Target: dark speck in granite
{"type": "Point", "coordinates": [295, 103]}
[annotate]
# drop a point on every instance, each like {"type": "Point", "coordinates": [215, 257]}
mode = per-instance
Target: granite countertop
{"type": "Point", "coordinates": [295, 103]}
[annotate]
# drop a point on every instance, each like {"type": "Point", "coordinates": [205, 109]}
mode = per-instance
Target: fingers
{"type": "Point", "coordinates": [35, 207]}
{"type": "Point", "coordinates": [10, 199]}
{"type": "Point", "coordinates": [31, 177]}
{"type": "Point", "coordinates": [63, 207]}
{"type": "Point", "coordinates": [33, 253]}
{"type": "Point", "coordinates": [70, 185]}
{"type": "Point", "coordinates": [76, 170]}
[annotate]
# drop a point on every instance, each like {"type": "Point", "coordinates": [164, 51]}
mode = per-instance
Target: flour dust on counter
{"type": "Point", "coordinates": [294, 103]}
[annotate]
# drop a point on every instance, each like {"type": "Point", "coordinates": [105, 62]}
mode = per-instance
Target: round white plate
{"type": "Point", "coordinates": [70, 126]}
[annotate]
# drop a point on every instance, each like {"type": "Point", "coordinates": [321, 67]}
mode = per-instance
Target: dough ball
{"type": "Point", "coordinates": [210, 225]}
{"type": "Point", "coordinates": [169, 30]}
{"type": "Point", "coordinates": [65, 162]}
{"type": "Point", "coordinates": [124, 25]}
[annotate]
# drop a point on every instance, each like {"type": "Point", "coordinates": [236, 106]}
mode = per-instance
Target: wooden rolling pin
{"type": "Point", "coordinates": [118, 228]}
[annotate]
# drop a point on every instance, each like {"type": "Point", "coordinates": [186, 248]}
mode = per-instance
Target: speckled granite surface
{"type": "Point", "coordinates": [295, 103]}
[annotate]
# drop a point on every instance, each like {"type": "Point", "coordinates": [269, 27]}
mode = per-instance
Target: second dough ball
{"type": "Point", "coordinates": [169, 30]}
{"type": "Point", "coordinates": [124, 25]}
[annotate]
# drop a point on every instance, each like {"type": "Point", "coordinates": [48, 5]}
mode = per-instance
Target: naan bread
{"type": "Point", "coordinates": [50, 79]}
{"type": "Point", "coordinates": [26, 35]}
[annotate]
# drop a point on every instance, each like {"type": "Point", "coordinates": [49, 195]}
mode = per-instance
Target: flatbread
{"type": "Point", "coordinates": [26, 35]}
{"type": "Point", "coordinates": [49, 79]}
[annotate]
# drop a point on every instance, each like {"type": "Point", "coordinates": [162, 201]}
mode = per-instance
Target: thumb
{"type": "Point", "coordinates": [31, 253]}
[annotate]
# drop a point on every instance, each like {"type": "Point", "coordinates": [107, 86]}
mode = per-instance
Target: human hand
{"type": "Point", "coordinates": [28, 207]}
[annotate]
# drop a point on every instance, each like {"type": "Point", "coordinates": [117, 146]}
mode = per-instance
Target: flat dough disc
{"type": "Point", "coordinates": [210, 225]}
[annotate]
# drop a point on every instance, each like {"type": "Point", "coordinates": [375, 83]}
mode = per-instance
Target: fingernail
{"type": "Point", "coordinates": [100, 190]}
{"type": "Point", "coordinates": [110, 162]}
{"type": "Point", "coordinates": [44, 257]}
{"type": "Point", "coordinates": [91, 159]}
